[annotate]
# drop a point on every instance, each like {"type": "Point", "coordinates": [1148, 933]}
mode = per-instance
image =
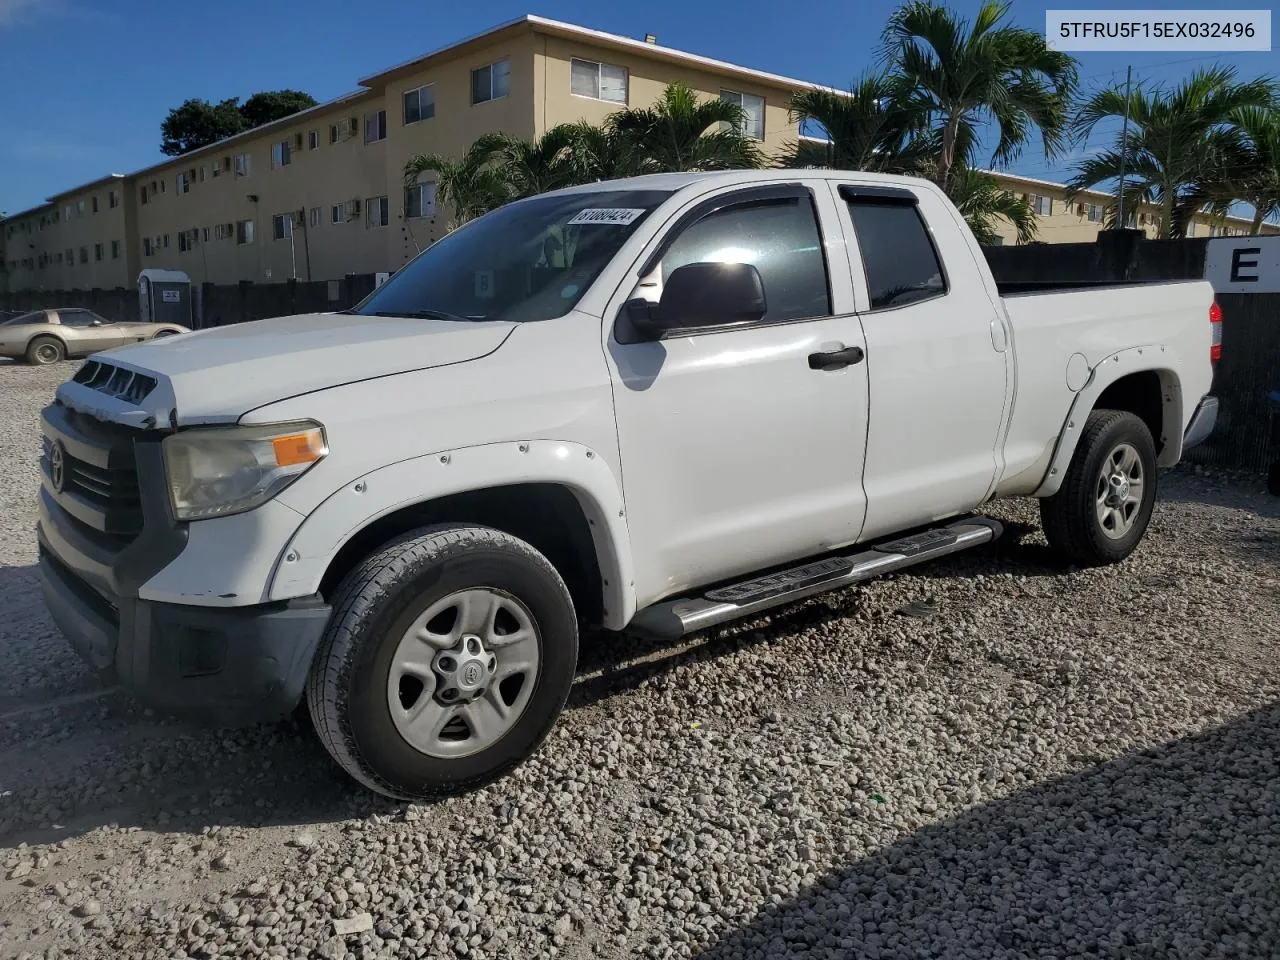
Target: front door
{"type": "Point", "coordinates": [742, 447]}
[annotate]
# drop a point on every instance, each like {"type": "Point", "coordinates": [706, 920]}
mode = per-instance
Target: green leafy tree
{"type": "Point", "coordinates": [870, 128]}
{"type": "Point", "coordinates": [198, 123]}
{"type": "Point", "coordinates": [680, 133]}
{"type": "Point", "coordinates": [598, 153]}
{"type": "Point", "coordinates": [272, 105]}
{"type": "Point", "coordinates": [536, 166]}
{"type": "Point", "coordinates": [983, 202]}
{"type": "Point", "coordinates": [957, 75]}
{"type": "Point", "coordinates": [1185, 148]}
{"type": "Point", "coordinates": [1254, 177]}
{"type": "Point", "coordinates": [473, 184]}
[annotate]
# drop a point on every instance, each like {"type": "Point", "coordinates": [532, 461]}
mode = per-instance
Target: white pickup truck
{"type": "Point", "coordinates": [654, 404]}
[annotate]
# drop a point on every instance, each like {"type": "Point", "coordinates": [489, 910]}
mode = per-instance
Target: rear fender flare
{"type": "Point", "coordinates": [1152, 357]}
{"type": "Point", "coordinates": [357, 504]}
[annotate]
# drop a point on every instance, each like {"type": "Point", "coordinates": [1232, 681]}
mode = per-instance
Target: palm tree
{"type": "Point", "coordinates": [536, 166]}
{"type": "Point", "coordinates": [1257, 181]}
{"type": "Point", "coordinates": [679, 133]}
{"type": "Point", "coordinates": [867, 129]}
{"type": "Point", "coordinates": [473, 184]}
{"type": "Point", "coordinates": [598, 153]}
{"type": "Point", "coordinates": [982, 201]}
{"type": "Point", "coordinates": [1182, 147]}
{"type": "Point", "coordinates": [959, 75]}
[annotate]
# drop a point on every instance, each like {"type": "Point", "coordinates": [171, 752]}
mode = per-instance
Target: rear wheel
{"type": "Point", "coordinates": [163, 333]}
{"type": "Point", "coordinates": [446, 661]}
{"type": "Point", "coordinates": [45, 350]}
{"type": "Point", "coordinates": [1101, 512]}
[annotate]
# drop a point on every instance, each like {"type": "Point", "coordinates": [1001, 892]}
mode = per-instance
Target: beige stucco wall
{"type": "Point", "coordinates": [320, 177]}
{"type": "Point", "coordinates": [456, 125]}
{"type": "Point", "coordinates": [556, 104]}
{"type": "Point", "coordinates": [25, 240]}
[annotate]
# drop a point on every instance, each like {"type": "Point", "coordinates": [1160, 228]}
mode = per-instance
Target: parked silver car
{"type": "Point", "coordinates": [47, 336]}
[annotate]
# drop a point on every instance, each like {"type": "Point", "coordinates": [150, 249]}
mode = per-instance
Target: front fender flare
{"type": "Point", "coordinates": [1152, 358]}
{"type": "Point", "coordinates": [366, 499]}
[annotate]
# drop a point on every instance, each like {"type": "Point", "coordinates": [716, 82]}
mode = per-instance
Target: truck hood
{"type": "Point", "coordinates": [217, 375]}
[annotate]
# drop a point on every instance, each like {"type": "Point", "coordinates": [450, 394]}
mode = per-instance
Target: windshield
{"type": "Point", "coordinates": [531, 260]}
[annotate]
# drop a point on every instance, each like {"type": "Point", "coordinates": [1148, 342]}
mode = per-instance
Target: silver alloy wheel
{"type": "Point", "coordinates": [47, 353]}
{"type": "Point", "coordinates": [463, 672]}
{"type": "Point", "coordinates": [1119, 492]}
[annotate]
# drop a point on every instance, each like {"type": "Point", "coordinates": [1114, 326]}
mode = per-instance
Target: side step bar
{"type": "Point", "coordinates": [670, 619]}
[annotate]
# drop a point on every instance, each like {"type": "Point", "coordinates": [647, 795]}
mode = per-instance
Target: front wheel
{"type": "Point", "coordinates": [446, 661]}
{"type": "Point", "coordinates": [1101, 511]}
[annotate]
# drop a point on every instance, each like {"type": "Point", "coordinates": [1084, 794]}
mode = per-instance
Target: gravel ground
{"type": "Point", "coordinates": [1054, 763]}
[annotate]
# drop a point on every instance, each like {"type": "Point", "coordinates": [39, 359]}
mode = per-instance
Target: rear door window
{"type": "Point", "coordinates": [898, 256]}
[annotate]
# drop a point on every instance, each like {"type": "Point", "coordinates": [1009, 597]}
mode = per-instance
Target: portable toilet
{"type": "Point", "coordinates": [164, 296]}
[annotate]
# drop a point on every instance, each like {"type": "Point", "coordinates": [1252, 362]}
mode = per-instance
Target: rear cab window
{"type": "Point", "coordinates": [899, 259]}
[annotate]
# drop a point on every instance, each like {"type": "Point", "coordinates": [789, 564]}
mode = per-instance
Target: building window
{"type": "Point", "coordinates": [419, 104]}
{"type": "Point", "coordinates": [184, 183]}
{"type": "Point", "coordinates": [282, 226]}
{"type": "Point", "coordinates": [84, 254]}
{"type": "Point", "coordinates": [420, 200]}
{"type": "Point", "coordinates": [1094, 213]}
{"type": "Point", "coordinates": [66, 212]}
{"type": "Point", "coordinates": [115, 249]}
{"type": "Point", "coordinates": [80, 208]}
{"type": "Point", "coordinates": [375, 126]}
{"type": "Point", "coordinates": [753, 107]}
{"type": "Point", "coordinates": [280, 154]}
{"type": "Point", "coordinates": [1043, 206]}
{"type": "Point", "coordinates": [97, 253]}
{"type": "Point", "coordinates": [221, 231]}
{"type": "Point", "coordinates": [244, 232]}
{"type": "Point", "coordinates": [344, 212]}
{"type": "Point", "coordinates": [599, 81]}
{"type": "Point", "coordinates": [113, 199]}
{"type": "Point", "coordinates": [376, 212]}
{"type": "Point", "coordinates": [166, 241]}
{"type": "Point", "coordinates": [95, 203]}
{"type": "Point", "coordinates": [162, 186]}
{"type": "Point", "coordinates": [145, 197]}
{"type": "Point", "coordinates": [241, 164]}
{"type": "Point", "coordinates": [334, 133]}
{"type": "Point", "coordinates": [1191, 229]}
{"type": "Point", "coordinates": [183, 243]}
{"type": "Point", "coordinates": [146, 246]}
{"type": "Point", "coordinates": [491, 82]}
{"type": "Point", "coordinates": [313, 217]}
{"type": "Point", "coordinates": [313, 139]}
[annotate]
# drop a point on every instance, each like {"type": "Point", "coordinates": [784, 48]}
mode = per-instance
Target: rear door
{"type": "Point", "coordinates": [936, 357]}
{"type": "Point", "coordinates": [741, 447]}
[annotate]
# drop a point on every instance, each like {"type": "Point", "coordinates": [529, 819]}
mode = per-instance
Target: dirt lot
{"type": "Point", "coordinates": [1053, 763]}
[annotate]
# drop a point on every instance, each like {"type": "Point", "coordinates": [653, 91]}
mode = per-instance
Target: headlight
{"type": "Point", "coordinates": [221, 471]}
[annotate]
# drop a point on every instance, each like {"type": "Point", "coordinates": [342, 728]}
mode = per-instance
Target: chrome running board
{"type": "Point", "coordinates": [670, 619]}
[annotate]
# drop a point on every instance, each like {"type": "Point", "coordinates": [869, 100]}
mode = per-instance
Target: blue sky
{"type": "Point", "coordinates": [87, 82]}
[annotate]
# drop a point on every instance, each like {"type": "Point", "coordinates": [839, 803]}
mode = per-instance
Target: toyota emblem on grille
{"type": "Point", "coordinates": [57, 466]}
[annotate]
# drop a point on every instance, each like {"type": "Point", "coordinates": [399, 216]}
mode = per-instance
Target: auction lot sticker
{"type": "Point", "coordinates": [1166, 30]}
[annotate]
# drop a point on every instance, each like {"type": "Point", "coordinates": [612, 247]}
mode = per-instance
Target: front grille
{"type": "Point", "coordinates": [114, 381]}
{"type": "Point", "coordinates": [99, 481]}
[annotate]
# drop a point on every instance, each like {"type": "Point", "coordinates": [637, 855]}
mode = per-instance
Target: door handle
{"type": "Point", "coordinates": [835, 359]}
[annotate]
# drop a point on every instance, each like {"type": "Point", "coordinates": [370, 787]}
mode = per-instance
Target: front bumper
{"type": "Point", "coordinates": [1202, 423]}
{"type": "Point", "coordinates": [226, 666]}
{"type": "Point", "coordinates": [105, 529]}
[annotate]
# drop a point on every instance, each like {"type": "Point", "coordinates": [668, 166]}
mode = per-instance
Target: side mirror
{"type": "Point", "coordinates": [95, 323]}
{"type": "Point", "coordinates": [701, 295]}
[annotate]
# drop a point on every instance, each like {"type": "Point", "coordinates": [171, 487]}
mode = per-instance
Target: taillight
{"type": "Point", "coordinates": [1215, 321]}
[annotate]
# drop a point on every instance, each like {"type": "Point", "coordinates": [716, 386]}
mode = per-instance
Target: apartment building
{"type": "Point", "coordinates": [80, 238]}
{"type": "Point", "coordinates": [1059, 220]}
{"type": "Point", "coordinates": [320, 194]}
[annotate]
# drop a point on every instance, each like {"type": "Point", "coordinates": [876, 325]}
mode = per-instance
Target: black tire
{"type": "Point", "coordinates": [1273, 479]}
{"type": "Point", "coordinates": [1070, 517]}
{"type": "Point", "coordinates": [376, 604]}
{"type": "Point", "coordinates": [42, 351]}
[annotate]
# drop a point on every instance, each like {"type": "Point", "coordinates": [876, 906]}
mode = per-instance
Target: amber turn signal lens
{"type": "Point", "coordinates": [297, 448]}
